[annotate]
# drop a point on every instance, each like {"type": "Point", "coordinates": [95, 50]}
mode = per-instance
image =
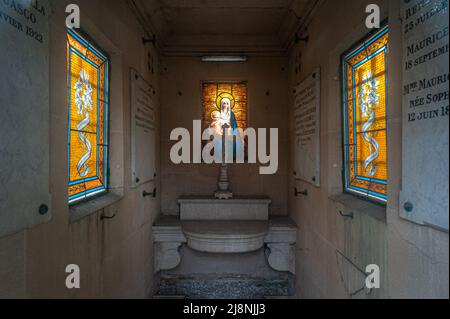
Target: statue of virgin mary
{"type": "Point", "coordinates": [225, 121]}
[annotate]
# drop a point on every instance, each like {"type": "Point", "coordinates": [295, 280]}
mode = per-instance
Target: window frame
{"type": "Point", "coordinates": [107, 116]}
{"type": "Point", "coordinates": [343, 92]}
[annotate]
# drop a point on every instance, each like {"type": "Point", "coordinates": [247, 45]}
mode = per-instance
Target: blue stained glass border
{"type": "Point", "coordinates": [347, 184]}
{"type": "Point", "coordinates": [104, 188]}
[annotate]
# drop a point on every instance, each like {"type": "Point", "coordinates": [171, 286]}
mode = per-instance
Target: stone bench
{"type": "Point", "coordinates": [278, 235]}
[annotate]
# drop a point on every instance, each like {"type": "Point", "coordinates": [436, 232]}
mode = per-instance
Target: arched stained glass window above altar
{"type": "Point", "coordinates": [365, 101]}
{"type": "Point", "coordinates": [88, 83]}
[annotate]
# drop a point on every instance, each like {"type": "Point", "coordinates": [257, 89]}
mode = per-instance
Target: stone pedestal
{"type": "Point", "coordinates": [168, 239]}
{"type": "Point", "coordinates": [280, 243]}
{"type": "Point", "coordinates": [224, 191]}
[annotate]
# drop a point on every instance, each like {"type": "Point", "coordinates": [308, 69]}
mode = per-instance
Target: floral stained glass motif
{"type": "Point", "coordinates": [365, 104]}
{"type": "Point", "coordinates": [88, 80]}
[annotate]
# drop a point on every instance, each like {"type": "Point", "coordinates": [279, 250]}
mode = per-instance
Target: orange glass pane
{"type": "Point", "coordinates": [78, 149]}
{"type": "Point", "coordinates": [87, 100]}
{"type": "Point", "coordinates": [365, 110]}
{"type": "Point", "coordinates": [77, 65]}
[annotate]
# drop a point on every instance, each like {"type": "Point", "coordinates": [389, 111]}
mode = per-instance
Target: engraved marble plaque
{"type": "Point", "coordinates": [143, 126]}
{"type": "Point", "coordinates": [307, 129]}
{"type": "Point", "coordinates": [424, 197]}
{"type": "Point", "coordinates": [24, 105]}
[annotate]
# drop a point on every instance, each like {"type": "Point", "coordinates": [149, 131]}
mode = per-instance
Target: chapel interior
{"type": "Point", "coordinates": [106, 189]}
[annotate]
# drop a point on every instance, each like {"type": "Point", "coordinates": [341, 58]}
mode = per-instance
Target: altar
{"type": "Point", "coordinates": [235, 226]}
{"type": "Point", "coordinates": [224, 236]}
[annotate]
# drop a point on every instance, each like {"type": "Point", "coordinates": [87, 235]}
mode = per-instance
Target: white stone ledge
{"type": "Point", "coordinates": [282, 230]}
{"type": "Point", "coordinates": [92, 206]}
{"type": "Point", "coordinates": [239, 208]}
{"type": "Point", "coordinates": [235, 200]}
{"type": "Point", "coordinates": [349, 204]}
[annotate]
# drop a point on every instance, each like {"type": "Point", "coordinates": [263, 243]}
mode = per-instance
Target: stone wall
{"type": "Point", "coordinates": [115, 256]}
{"type": "Point", "coordinates": [334, 251]}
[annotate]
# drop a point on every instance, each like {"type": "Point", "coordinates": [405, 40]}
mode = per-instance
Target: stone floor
{"type": "Point", "coordinates": [225, 288]}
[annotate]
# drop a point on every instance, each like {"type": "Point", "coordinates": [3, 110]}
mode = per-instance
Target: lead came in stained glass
{"type": "Point", "coordinates": [88, 78]}
{"type": "Point", "coordinates": [365, 117]}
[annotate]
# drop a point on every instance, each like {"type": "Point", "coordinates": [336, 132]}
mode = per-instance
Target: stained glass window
{"type": "Point", "coordinates": [214, 93]}
{"type": "Point", "coordinates": [365, 104]}
{"type": "Point", "coordinates": [225, 105]}
{"type": "Point", "coordinates": [88, 79]}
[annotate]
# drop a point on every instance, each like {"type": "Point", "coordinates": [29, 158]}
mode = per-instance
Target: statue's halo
{"type": "Point", "coordinates": [225, 96]}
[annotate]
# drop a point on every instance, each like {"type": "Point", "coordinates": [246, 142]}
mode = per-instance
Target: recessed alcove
{"type": "Point", "coordinates": [142, 225]}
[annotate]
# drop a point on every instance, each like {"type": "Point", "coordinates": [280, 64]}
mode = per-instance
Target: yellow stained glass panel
{"type": "Point", "coordinates": [365, 111]}
{"type": "Point", "coordinates": [87, 100]}
{"type": "Point", "coordinates": [211, 101]}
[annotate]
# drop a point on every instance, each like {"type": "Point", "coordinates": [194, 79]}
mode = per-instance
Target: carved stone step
{"type": "Point", "coordinates": [225, 236]}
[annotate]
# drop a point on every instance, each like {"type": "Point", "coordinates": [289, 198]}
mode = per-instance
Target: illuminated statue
{"type": "Point", "coordinates": [225, 121]}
